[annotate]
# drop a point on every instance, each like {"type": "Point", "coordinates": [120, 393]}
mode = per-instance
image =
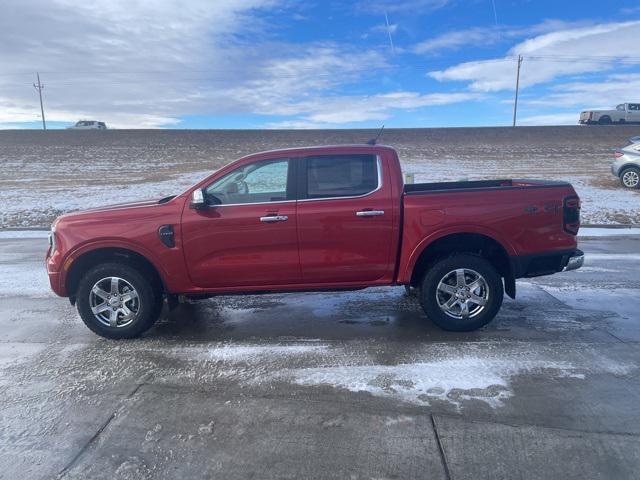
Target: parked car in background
{"type": "Point", "coordinates": [626, 164]}
{"type": "Point", "coordinates": [624, 113]}
{"type": "Point", "coordinates": [318, 218]}
{"type": "Point", "coordinates": [88, 125]}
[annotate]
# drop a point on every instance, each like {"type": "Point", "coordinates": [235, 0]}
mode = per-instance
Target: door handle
{"type": "Point", "coordinates": [369, 213]}
{"type": "Point", "coordinates": [274, 218]}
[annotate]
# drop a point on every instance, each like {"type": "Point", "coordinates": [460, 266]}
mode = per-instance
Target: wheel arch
{"type": "Point", "coordinates": [90, 257]}
{"type": "Point", "coordinates": [628, 166]}
{"type": "Point", "coordinates": [481, 244]}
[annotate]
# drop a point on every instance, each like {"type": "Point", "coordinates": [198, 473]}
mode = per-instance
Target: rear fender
{"type": "Point", "coordinates": [407, 270]}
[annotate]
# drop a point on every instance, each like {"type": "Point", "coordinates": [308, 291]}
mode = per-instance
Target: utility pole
{"type": "Point", "coordinates": [39, 87]}
{"type": "Point", "coordinates": [515, 104]}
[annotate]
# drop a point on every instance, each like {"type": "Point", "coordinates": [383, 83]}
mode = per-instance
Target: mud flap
{"type": "Point", "coordinates": [510, 286]}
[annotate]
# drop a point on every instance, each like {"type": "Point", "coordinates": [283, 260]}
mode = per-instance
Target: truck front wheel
{"type": "Point", "coordinates": [116, 301]}
{"type": "Point", "coordinates": [461, 293]}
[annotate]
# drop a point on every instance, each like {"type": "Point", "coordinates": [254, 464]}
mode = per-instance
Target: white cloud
{"type": "Point", "coordinates": [143, 55]}
{"type": "Point", "coordinates": [414, 7]}
{"type": "Point", "coordinates": [458, 38]}
{"type": "Point", "coordinates": [570, 118]}
{"type": "Point", "coordinates": [480, 37]}
{"type": "Point", "coordinates": [333, 111]}
{"type": "Point", "coordinates": [145, 64]}
{"type": "Point", "coordinates": [607, 93]}
{"type": "Point", "coordinates": [552, 55]}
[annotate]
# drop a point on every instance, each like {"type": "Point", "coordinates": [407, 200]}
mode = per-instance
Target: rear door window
{"type": "Point", "coordinates": [332, 176]}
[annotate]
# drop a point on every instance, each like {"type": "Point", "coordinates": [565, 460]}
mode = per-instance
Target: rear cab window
{"type": "Point", "coordinates": [336, 176]}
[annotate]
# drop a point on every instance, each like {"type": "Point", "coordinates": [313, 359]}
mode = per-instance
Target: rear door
{"type": "Point", "coordinates": [345, 219]}
{"type": "Point", "coordinates": [247, 236]}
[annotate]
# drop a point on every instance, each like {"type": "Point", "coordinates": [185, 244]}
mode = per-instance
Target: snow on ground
{"type": "Point", "coordinates": [600, 205]}
{"type": "Point", "coordinates": [24, 280]}
{"type": "Point", "coordinates": [437, 372]}
{"type": "Point", "coordinates": [47, 175]}
{"type": "Point", "coordinates": [14, 353]}
{"type": "Point", "coordinates": [608, 232]}
{"type": "Point", "coordinates": [422, 373]}
{"type": "Point", "coordinates": [25, 207]}
{"type": "Point", "coordinates": [484, 378]}
{"type": "Point", "coordinates": [18, 234]}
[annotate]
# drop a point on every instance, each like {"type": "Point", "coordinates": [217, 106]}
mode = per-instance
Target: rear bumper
{"type": "Point", "coordinates": [527, 266]}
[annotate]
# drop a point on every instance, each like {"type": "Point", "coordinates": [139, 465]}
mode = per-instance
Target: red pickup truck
{"type": "Point", "coordinates": [319, 218]}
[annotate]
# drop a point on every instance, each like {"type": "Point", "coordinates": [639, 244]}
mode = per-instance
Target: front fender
{"type": "Point", "coordinates": [77, 252]}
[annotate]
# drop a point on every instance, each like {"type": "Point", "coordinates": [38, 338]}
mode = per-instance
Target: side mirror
{"type": "Point", "coordinates": [197, 199]}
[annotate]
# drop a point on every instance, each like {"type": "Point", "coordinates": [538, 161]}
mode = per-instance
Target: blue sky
{"type": "Point", "coordinates": [329, 64]}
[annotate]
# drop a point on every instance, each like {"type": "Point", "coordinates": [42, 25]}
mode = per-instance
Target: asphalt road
{"type": "Point", "coordinates": [352, 385]}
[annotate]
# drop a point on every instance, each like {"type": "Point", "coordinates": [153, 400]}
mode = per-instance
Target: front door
{"type": "Point", "coordinates": [345, 220]}
{"type": "Point", "coordinates": [247, 236]}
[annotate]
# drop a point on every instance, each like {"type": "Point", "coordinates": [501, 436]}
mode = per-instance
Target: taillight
{"type": "Point", "coordinates": [571, 215]}
{"type": "Point", "coordinates": [618, 154]}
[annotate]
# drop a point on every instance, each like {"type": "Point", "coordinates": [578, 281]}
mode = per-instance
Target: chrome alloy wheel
{"type": "Point", "coordinates": [462, 293]}
{"type": "Point", "coordinates": [114, 302]}
{"type": "Point", "coordinates": [631, 179]}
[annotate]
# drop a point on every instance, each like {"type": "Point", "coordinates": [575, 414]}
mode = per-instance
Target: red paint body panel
{"type": "Point", "coordinates": [323, 244]}
{"type": "Point", "coordinates": [228, 246]}
{"type": "Point", "coordinates": [498, 214]}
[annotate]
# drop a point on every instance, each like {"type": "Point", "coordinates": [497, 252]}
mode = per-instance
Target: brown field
{"type": "Point", "coordinates": [48, 173]}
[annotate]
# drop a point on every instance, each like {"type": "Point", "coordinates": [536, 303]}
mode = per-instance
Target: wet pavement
{"type": "Point", "coordinates": [328, 385]}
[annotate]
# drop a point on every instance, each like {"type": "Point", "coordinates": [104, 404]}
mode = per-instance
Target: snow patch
{"type": "Point", "coordinates": [24, 280]}
{"type": "Point", "coordinates": [452, 380]}
{"type": "Point", "coordinates": [607, 232]}
{"type": "Point", "coordinates": [254, 352]}
{"type": "Point", "coordinates": [10, 234]}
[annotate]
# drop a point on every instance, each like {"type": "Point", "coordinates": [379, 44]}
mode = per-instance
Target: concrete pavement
{"type": "Point", "coordinates": [349, 385]}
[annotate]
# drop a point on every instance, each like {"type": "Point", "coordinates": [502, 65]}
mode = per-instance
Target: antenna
{"type": "Point", "coordinates": [374, 140]}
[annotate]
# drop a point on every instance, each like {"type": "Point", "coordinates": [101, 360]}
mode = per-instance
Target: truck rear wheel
{"type": "Point", "coordinates": [461, 293]}
{"type": "Point", "coordinates": [116, 301]}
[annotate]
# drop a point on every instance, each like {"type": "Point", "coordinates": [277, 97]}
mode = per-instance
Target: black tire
{"type": "Point", "coordinates": [429, 292]}
{"type": "Point", "coordinates": [150, 300]}
{"type": "Point", "coordinates": [605, 120]}
{"type": "Point", "coordinates": [630, 170]}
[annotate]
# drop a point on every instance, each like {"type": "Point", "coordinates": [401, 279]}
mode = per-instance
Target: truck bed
{"type": "Point", "coordinates": [475, 185]}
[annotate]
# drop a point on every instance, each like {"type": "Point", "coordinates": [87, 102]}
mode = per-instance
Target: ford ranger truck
{"type": "Point", "coordinates": [319, 218]}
